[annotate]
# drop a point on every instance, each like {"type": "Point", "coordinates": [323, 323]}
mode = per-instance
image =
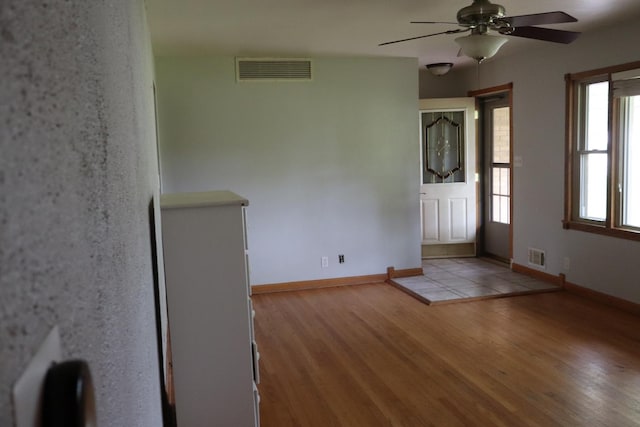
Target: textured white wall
{"type": "Point", "coordinates": [330, 166]}
{"type": "Point", "coordinates": [77, 173]}
{"type": "Point", "coordinates": [605, 264]}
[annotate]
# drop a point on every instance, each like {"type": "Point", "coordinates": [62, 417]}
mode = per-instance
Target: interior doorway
{"type": "Point", "coordinates": [448, 191]}
{"type": "Point", "coordinates": [495, 140]}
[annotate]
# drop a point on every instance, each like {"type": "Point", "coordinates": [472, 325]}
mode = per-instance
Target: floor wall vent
{"type": "Point", "coordinates": [537, 257]}
{"type": "Point", "coordinates": [273, 69]}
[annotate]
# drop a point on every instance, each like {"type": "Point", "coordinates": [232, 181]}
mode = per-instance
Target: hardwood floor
{"type": "Point", "coordinates": [370, 355]}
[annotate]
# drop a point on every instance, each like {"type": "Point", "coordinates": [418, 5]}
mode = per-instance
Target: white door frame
{"type": "Point", "coordinates": [449, 210]}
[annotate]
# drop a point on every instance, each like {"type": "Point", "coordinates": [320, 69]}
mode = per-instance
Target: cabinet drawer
{"type": "Point", "coordinates": [256, 404]}
{"type": "Point", "coordinates": [247, 272]}
{"type": "Point", "coordinates": [252, 316]}
{"type": "Point", "coordinates": [256, 362]}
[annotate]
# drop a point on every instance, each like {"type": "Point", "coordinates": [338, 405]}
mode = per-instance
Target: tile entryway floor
{"type": "Point", "coordinates": [464, 279]}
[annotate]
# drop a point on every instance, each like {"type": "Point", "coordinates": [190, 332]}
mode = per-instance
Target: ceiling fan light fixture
{"type": "Point", "coordinates": [480, 46]}
{"type": "Point", "coordinates": [439, 68]}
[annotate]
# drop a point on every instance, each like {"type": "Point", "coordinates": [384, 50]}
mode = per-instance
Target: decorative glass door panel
{"type": "Point", "coordinates": [443, 147]}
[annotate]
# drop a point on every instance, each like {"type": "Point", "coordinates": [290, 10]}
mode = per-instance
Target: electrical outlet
{"type": "Point", "coordinates": [341, 259]}
{"type": "Point", "coordinates": [567, 263]}
{"type": "Point", "coordinates": [324, 261]}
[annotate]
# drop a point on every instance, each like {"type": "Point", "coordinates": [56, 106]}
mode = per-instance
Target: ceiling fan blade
{"type": "Point", "coordinates": [433, 22]}
{"type": "Point", "coordinates": [546, 34]}
{"type": "Point", "coordinates": [539, 19]}
{"type": "Point", "coordinates": [461, 30]}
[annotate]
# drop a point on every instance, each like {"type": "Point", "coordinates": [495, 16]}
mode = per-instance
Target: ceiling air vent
{"type": "Point", "coordinates": [273, 69]}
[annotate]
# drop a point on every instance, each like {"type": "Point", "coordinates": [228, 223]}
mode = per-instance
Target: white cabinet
{"type": "Point", "coordinates": [215, 357]}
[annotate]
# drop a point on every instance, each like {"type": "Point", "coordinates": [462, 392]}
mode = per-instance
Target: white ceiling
{"type": "Point", "coordinates": [346, 27]}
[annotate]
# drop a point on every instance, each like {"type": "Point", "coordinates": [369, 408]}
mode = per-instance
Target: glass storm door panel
{"type": "Point", "coordinates": [448, 190]}
{"type": "Point", "coordinates": [496, 142]}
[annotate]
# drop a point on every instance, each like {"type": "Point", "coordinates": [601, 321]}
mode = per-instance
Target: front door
{"type": "Point", "coordinates": [495, 114]}
{"type": "Point", "coordinates": [448, 188]}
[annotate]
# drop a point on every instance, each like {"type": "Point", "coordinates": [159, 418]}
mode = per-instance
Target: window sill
{"type": "Point", "coordinates": [619, 233]}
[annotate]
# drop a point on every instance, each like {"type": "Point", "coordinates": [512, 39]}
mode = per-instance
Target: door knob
{"type": "Point", "coordinates": [68, 396]}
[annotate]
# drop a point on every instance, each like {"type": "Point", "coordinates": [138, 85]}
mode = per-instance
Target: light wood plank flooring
{"type": "Point", "coordinates": [370, 355]}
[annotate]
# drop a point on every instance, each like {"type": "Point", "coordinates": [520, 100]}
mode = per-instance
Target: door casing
{"type": "Point", "coordinates": [448, 210]}
{"type": "Point", "coordinates": [507, 90]}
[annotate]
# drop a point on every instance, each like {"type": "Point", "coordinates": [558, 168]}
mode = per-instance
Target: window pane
{"type": "Point", "coordinates": [500, 209]}
{"type": "Point", "coordinates": [500, 184]}
{"type": "Point", "coordinates": [500, 195]}
{"type": "Point", "coordinates": [495, 202]}
{"type": "Point", "coordinates": [501, 135]}
{"type": "Point", "coordinates": [504, 210]}
{"type": "Point", "coordinates": [631, 180]}
{"type": "Point", "coordinates": [597, 119]}
{"type": "Point", "coordinates": [593, 186]}
{"type": "Point", "coordinates": [504, 180]}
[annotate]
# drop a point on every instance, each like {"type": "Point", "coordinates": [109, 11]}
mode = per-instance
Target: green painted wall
{"type": "Point", "coordinates": [330, 166]}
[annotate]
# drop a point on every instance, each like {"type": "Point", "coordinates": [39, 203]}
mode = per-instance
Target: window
{"type": "Point", "coordinates": [592, 150]}
{"type": "Point", "coordinates": [603, 146]}
{"type": "Point", "coordinates": [630, 176]}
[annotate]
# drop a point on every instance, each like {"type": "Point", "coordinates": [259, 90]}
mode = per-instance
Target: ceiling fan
{"type": "Point", "coordinates": [482, 16]}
